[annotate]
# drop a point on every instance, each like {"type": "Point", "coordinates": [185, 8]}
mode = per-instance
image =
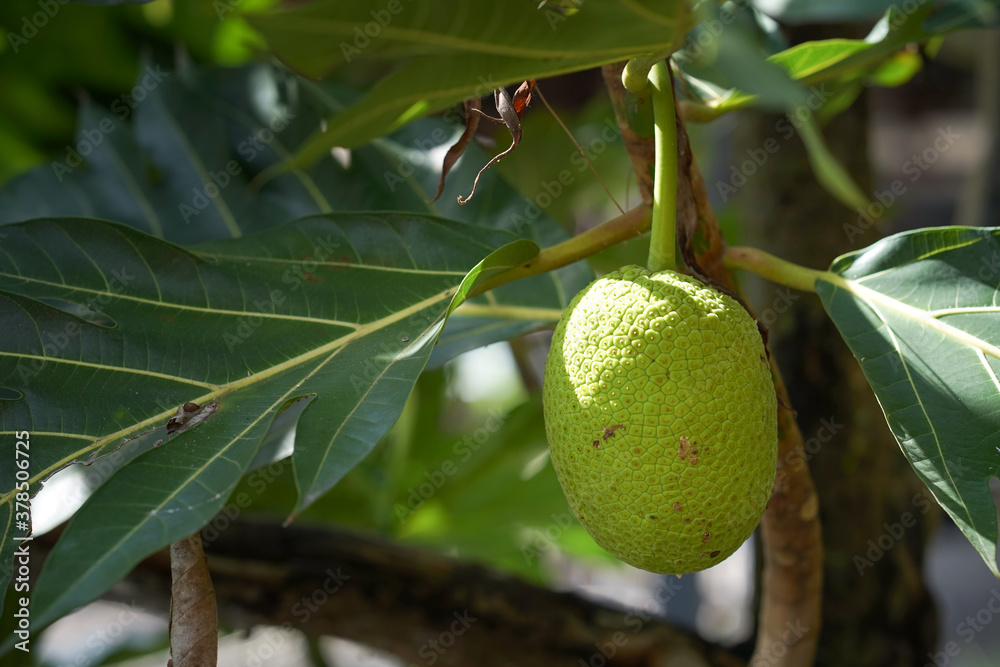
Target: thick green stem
{"type": "Point", "coordinates": [662, 241]}
{"type": "Point", "coordinates": [468, 309]}
{"type": "Point", "coordinates": [775, 269]}
{"type": "Point", "coordinates": [628, 225]}
{"type": "Point", "coordinates": [635, 76]}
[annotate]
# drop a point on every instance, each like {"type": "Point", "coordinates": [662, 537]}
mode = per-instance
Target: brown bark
{"type": "Point", "coordinates": [876, 611]}
{"type": "Point", "coordinates": [412, 603]}
{"type": "Point", "coordinates": [635, 120]}
{"type": "Point", "coordinates": [790, 617]}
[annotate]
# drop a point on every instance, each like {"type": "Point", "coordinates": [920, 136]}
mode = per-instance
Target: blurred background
{"type": "Point", "coordinates": [465, 472]}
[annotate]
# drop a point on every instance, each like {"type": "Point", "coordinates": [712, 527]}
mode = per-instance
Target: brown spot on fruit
{"type": "Point", "coordinates": [683, 448]}
{"type": "Point", "coordinates": [715, 553]}
{"type": "Point", "coordinates": [610, 430]}
{"type": "Point", "coordinates": [678, 506]}
{"type": "Point", "coordinates": [705, 537]}
{"type": "Point", "coordinates": [597, 444]}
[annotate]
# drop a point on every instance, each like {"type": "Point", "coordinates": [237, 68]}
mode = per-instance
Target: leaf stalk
{"type": "Point", "coordinates": [628, 225]}
{"type": "Point", "coordinates": [773, 268]}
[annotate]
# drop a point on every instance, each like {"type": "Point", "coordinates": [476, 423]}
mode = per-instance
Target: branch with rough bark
{"type": "Point", "coordinates": [413, 603]}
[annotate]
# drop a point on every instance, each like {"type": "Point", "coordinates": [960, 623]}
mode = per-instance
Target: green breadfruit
{"type": "Point", "coordinates": [661, 418]}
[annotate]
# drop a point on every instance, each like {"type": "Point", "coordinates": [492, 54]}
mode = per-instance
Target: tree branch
{"type": "Point", "coordinates": [412, 603]}
{"type": "Point", "coordinates": [792, 582]}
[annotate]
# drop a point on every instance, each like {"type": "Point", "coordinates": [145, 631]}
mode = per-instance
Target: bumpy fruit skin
{"type": "Point", "coordinates": [661, 418]}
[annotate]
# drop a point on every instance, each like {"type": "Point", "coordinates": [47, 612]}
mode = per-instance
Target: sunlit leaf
{"type": "Point", "coordinates": [919, 310]}
{"type": "Point", "coordinates": [179, 167]}
{"type": "Point", "coordinates": [452, 51]}
{"type": "Point", "coordinates": [109, 330]}
{"type": "Point", "coordinates": [316, 37]}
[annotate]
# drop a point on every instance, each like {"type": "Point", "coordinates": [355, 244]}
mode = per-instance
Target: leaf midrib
{"type": "Point", "coordinates": [872, 297]}
{"type": "Point", "coordinates": [350, 265]}
{"type": "Point", "coordinates": [219, 202]}
{"type": "Point", "coordinates": [116, 369]}
{"type": "Point", "coordinates": [241, 383]}
{"type": "Point", "coordinates": [924, 317]}
{"type": "Point", "coordinates": [197, 472]}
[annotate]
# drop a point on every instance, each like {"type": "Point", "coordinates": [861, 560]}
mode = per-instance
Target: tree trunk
{"type": "Point", "coordinates": [875, 513]}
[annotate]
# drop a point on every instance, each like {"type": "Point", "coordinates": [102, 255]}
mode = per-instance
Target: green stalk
{"type": "Point", "coordinates": [662, 241]}
{"type": "Point", "coordinates": [632, 223]}
{"type": "Point", "coordinates": [635, 76]}
{"type": "Point", "coordinates": [775, 269]}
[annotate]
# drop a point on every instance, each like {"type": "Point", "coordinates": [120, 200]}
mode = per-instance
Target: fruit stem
{"type": "Point", "coordinates": [662, 241]}
{"type": "Point", "coordinates": [635, 75]}
{"type": "Point", "coordinates": [774, 268]}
